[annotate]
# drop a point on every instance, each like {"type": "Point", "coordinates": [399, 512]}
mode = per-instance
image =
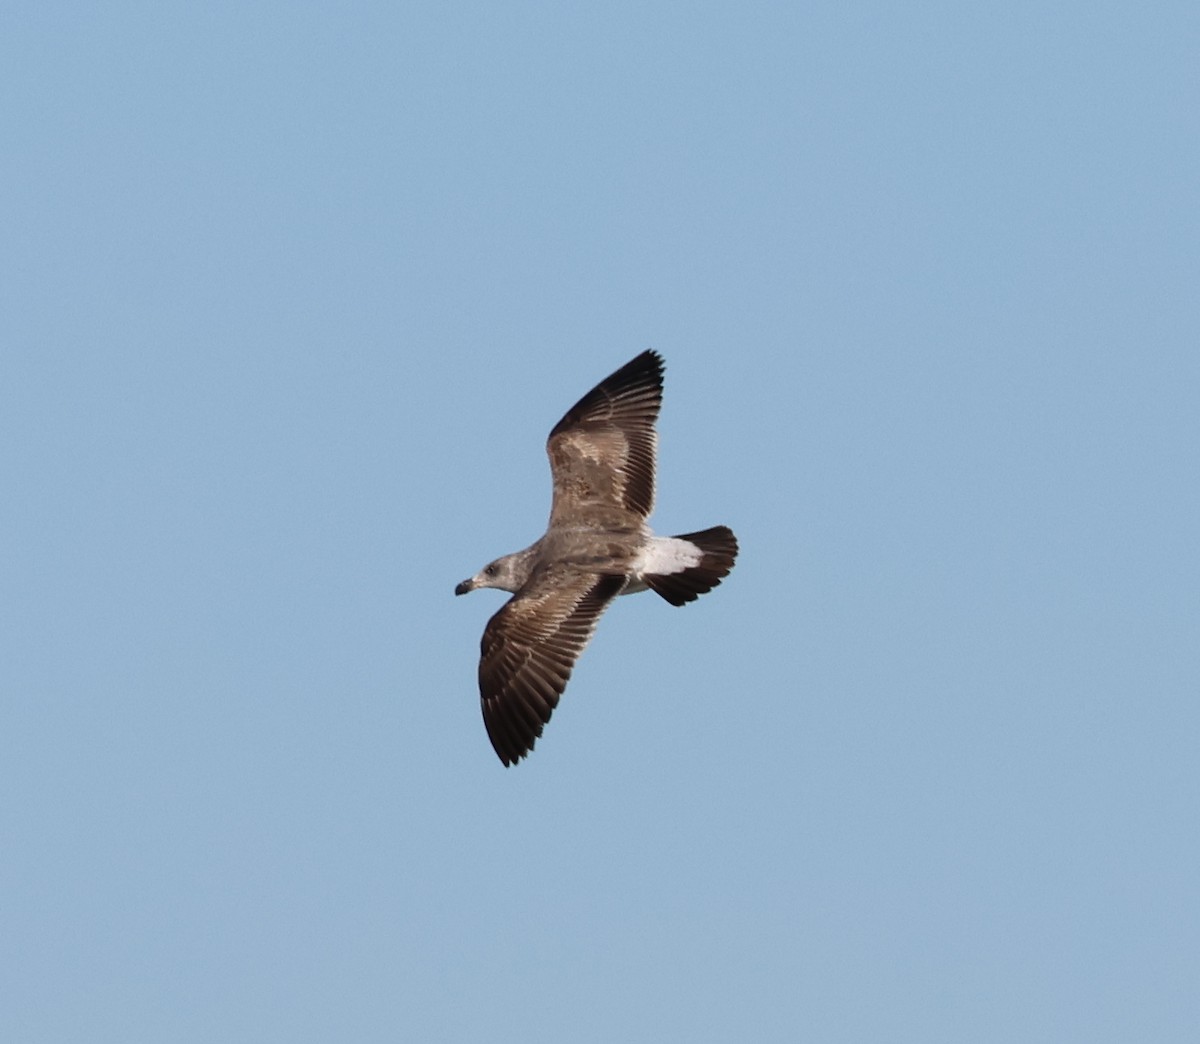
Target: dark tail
{"type": "Point", "coordinates": [719, 548]}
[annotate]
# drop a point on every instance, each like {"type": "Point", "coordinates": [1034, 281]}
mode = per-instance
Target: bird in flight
{"type": "Point", "coordinates": [596, 546]}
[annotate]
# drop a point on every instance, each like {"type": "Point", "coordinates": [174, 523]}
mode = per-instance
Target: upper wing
{"type": "Point", "coordinates": [529, 648]}
{"type": "Point", "coordinates": [602, 451]}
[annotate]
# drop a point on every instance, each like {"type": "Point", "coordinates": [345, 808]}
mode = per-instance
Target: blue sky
{"type": "Point", "coordinates": [291, 296]}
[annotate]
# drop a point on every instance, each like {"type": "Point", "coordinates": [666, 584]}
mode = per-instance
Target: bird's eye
{"type": "Point", "coordinates": [490, 571]}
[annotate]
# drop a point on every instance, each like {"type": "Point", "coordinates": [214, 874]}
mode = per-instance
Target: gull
{"type": "Point", "coordinates": [596, 546]}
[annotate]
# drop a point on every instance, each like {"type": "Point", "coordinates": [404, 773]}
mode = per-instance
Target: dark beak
{"type": "Point", "coordinates": [464, 587]}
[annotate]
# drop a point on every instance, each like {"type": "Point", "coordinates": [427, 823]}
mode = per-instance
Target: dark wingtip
{"type": "Point", "coordinates": [643, 372]}
{"type": "Point", "coordinates": [648, 364]}
{"type": "Point", "coordinates": [511, 739]}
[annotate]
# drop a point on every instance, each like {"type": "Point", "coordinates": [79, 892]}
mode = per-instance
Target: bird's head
{"type": "Point", "coordinates": [505, 573]}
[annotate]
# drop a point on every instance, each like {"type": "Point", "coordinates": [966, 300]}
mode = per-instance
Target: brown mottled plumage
{"type": "Point", "coordinates": [597, 546]}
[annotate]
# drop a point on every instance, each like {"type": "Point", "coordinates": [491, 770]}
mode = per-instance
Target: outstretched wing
{"type": "Point", "coordinates": [602, 452]}
{"type": "Point", "coordinates": [529, 648]}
